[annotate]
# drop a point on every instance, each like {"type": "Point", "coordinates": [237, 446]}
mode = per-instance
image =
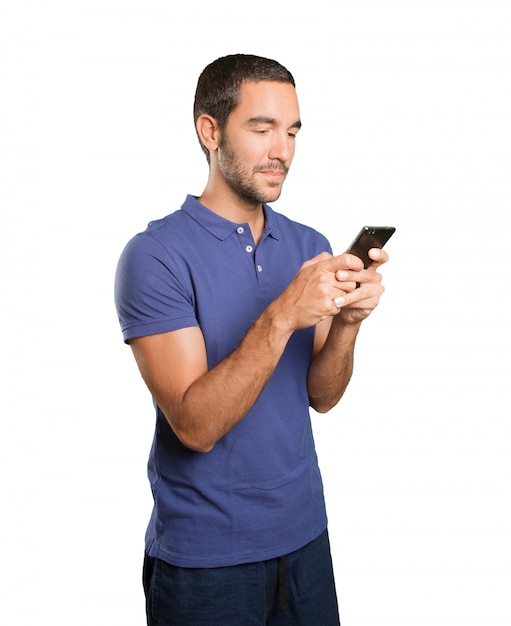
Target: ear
{"type": "Point", "coordinates": [208, 131]}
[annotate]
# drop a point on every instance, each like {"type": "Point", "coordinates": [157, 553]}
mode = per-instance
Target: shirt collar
{"type": "Point", "coordinates": [219, 226]}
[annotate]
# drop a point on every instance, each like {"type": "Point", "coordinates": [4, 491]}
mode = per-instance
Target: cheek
{"type": "Point", "coordinates": [256, 154]}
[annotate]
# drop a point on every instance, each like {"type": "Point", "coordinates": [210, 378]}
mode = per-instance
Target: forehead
{"type": "Point", "coordinates": [271, 99]}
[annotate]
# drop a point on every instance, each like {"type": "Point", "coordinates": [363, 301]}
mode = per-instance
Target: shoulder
{"type": "Point", "coordinates": [160, 239]}
{"type": "Point", "coordinates": [152, 257]}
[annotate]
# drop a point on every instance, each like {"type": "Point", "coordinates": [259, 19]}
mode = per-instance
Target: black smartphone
{"type": "Point", "coordinates": [370, 237]}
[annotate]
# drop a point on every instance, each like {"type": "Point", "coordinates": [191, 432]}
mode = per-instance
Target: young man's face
{"type": "Point", "coordinates": [258, 143]}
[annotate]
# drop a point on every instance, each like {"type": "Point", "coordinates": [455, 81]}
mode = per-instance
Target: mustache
{"type": "Point", "coordinates": [272, 165]}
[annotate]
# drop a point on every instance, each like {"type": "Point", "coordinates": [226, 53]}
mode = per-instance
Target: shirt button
{"type": "Point", "coordinates": [259, 268]}
{"type": "Point", "coordinates": [240, 230]}
{"type": "Point", "coordinates": [249, 248]}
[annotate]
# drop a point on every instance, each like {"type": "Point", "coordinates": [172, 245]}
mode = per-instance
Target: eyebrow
{"type": "Point", "coordinates": [261, 119]}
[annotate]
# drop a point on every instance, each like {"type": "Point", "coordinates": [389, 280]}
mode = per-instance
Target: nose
{"type": "Point", "coordinates": [282, 147]}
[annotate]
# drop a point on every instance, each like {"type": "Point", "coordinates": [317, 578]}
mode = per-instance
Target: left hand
{"type": "Point", "coordinates": [360, 302]}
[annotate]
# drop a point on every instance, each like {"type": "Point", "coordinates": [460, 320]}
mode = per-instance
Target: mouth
{"type": "Point", "coordinates": [275, 170]}
{"type": "Point", "coordinates": [273, 175]}
{"type": "Point", "coordinates": [277, 174]}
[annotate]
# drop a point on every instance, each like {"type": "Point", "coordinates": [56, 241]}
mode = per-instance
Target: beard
{"type": "Point", "coordinates": [241, 177]}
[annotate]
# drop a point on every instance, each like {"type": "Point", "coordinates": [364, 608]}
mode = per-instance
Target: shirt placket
{"type": "Point", "coordinates": [256, 253]}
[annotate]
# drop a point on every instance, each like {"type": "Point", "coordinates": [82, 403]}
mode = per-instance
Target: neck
{"type": "Point", "coordinates": [231, 206]}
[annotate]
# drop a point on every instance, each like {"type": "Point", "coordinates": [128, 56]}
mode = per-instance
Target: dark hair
{"type": "Point", "coordinates": [219, 84]}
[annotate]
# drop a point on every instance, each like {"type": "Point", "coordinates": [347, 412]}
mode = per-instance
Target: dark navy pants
{"type": "Point", "coordinates": [297, 589]}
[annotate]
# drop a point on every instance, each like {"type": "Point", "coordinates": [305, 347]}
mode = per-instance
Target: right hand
{"type": "Point", "coordinates": [318, 289]}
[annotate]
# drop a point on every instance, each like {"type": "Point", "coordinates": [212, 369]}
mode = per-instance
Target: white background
{"type": "Point", "coordinates": [406, 111]}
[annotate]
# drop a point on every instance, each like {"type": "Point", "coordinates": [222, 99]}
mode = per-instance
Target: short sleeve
{"type": "Point", "coordinates": [153, 293]}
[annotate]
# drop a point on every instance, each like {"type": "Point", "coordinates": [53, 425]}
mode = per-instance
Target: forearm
{"type": "Point", "coordinates": [332, 368]}
{"type": "Point", "coordinates": [215, 402]}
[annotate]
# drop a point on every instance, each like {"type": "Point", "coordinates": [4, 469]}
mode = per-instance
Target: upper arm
{"type": "Point", "coordinates": [169, 363]}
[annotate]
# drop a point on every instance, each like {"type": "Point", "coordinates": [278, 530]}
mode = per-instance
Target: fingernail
{"type": "Point", "coordinates": [342, 274]}
{"type": "Point", "coordinates": [339, 302]}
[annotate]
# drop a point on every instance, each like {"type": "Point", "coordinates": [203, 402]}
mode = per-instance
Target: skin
{"type": "Point", "coordinates": [248, 166]}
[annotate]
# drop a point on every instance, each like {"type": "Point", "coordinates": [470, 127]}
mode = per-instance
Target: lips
{"type": "Point", "coordinates": [273, 173]}
{"type": "Point", "coordinates": [277, 168]}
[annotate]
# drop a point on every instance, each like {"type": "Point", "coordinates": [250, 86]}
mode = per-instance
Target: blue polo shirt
{"type": "Point", "coordinates": [258, 493]}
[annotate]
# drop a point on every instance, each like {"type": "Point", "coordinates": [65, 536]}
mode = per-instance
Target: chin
{"type": "Point", "coordinates": [271, 194]}
{"type": "Point", "coordinates": [273, 198]}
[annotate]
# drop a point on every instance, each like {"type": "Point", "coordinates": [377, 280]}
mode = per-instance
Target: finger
{"type": "Point", "coordinates": [369, 276]}
{"type": "Point", "coordinates": [347, 283]}
{"type": "Point", "coordinates": [344, 261]}
{"type": "Point", "coordinates": [347, 279]}
{"type": "Point", "coordinates": [352, 262]}
{"type": "Point", "coordinates": [322, 256]}
{"type": "Point", "coordinates": [366, 295]}
{"type": "Point", "coordinates": [378, 256]}
{"type": "Point", "coordinates": [339, 301]}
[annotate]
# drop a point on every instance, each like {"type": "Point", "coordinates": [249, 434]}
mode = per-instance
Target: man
{"type": "Point", "coordinates": [239, 320]}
